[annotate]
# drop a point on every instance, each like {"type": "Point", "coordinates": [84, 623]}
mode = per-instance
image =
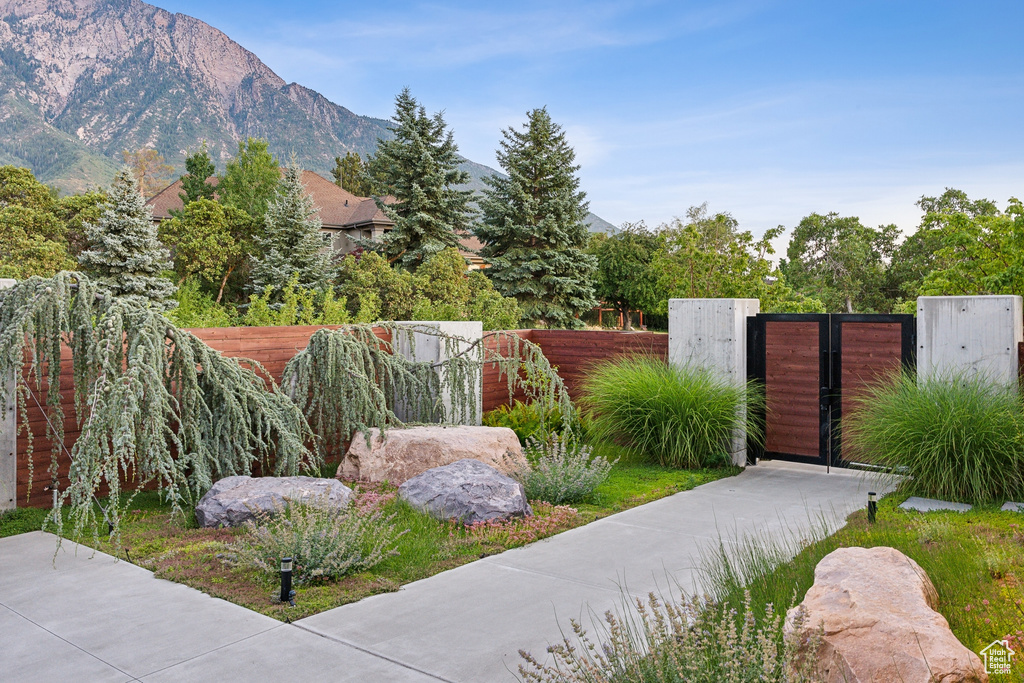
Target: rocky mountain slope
{"type": "Point", "coordinates": [82, 80]}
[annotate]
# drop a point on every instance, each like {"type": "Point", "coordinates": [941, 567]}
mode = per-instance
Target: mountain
{"type": "Point", "coordinates": [82, 80]}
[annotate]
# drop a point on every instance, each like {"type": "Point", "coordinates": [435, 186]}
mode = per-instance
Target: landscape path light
{"type": "Point", "coordinates": [287, 594]}
{"type": "Point", "coordinates": [872, 506]}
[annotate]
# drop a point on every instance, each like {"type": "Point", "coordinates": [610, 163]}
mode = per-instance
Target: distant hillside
{"type": "Point", "coordinates": [82, 80]}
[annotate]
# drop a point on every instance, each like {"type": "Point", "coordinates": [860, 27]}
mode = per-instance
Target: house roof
{"type": "Point", "coordinates": [336, 207]}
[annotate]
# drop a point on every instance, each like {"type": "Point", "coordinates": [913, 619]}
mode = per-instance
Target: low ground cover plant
{"type": "Point", "coordinates": [954, 438]}
{"type": "Point", "coordinates": [323, 543]}
{"type": "Point", "coordinates": [675, 416]}
{"type": "Point", "coordinates": [560, 469]}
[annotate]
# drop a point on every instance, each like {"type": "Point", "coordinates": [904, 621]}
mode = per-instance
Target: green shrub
{"type": "Point", "coordinates": [560, 470]}
{"type": "Point", "coordinates": [323, 543]}
{"type": "Point", "coordinates": [299, 306]}
{"type": "Point", "coordinates": [197, 308]}
{"type": "Point", "coordinates": [956, 438]}
{"type": "Point", "coordinates": [675, 416]}
{"type": "Point", "coordinates": [696, 641]}
{"type": "Point", "coordinates": [526, 420]}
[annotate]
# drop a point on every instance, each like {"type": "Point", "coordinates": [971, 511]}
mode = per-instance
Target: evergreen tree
{"type": "Point", "coordinates": [123, 250]}
{"type": "Point", "coordinates": [251, 178]}
{"type": "Point", "coordinates": [533, 231]}
{"type": "Point", "coordinates": [291, 242]}
{"type": "Point", "coordinates": [199, 167]}
{"type": "Point", "coordinates": [420, 168]}
{"type": "Point", "coordinates": [350, 175]}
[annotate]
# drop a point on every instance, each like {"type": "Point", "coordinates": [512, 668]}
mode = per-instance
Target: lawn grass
{"type": "Point", "coordinates": [975, 559]}
{"type": "Point", "coordinates": [173, 549]}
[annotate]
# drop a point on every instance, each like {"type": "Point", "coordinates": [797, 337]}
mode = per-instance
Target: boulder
{"type": "Point", "coordinates": [232, 501]}
{"type": "Point", "coordinates": [876, 607]}
{"type": "Point", "coordinates": [401, 454]}
{"type": "Point", "coordinates": [467, 490]}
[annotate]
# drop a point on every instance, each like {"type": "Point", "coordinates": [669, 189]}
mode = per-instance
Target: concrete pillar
{"type": "Point", "coordinates": [8, 438]}
{"type": "Point", "coordinates": [420, 346]}
{"type": "Point", "coordinates": [713, 333]}
{"type": "Point", "coordinates": [971, 335]}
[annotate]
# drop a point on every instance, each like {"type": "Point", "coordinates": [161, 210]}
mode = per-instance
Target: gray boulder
{"type": "Point", "coordinates": [467, 490]}
{"type": "Point", "coordinates": [232, 501]}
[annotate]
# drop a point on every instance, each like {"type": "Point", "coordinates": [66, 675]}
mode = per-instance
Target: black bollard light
{"type": "Point", "coordinates": [287, 594]}
{"type": "Point", "coordinates": [872, 506]}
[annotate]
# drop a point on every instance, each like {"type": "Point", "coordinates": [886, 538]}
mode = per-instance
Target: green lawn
{"type": "Point", "coordinates": [175, 550]}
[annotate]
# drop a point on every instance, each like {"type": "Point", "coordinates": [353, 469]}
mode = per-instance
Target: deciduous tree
{"type": "Point", "coordinates": [842, 263]}
{"type": "Point", "coordinates": [151, 172]}
{"type": "Point", "coordinates": [708, 256]}
{"type": "Point", "coordinates": [250, 181]}
{"type": "Point", "coordinates": [19, 187]}
{"type": "Point", "coordinates": [624, 276]}
{"type": "Point", "coordinates": [982, 248]}
{"type": "Point", "coordinates": [31, 243]}
{"type": "Point", "coordinates": [199, 168]}
{"type": "Point", "coordinates": [209, 240]}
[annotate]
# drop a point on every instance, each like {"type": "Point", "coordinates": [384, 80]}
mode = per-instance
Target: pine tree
{"type": "Point", "coordinates": [123, 250]}
{"type": "Point", "coordinates": [420, 168]}
{"type": "Point", "coordinates": [349, 174]}
{"type": "Point", "coordinates": [533, 231]}
{"type": "Point", "coordinates": [291, 242]}
{"type": "Point", "coordinates": [199, 167]}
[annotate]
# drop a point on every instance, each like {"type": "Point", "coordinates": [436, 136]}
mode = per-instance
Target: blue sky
{"type": "Point", "coordinates": [768, 110]}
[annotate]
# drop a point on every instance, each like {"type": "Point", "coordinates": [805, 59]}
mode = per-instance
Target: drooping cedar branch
{"type": "Point", "coordinates": [348, 380]}
{"type": "Point", "coordinates": [153, 403]}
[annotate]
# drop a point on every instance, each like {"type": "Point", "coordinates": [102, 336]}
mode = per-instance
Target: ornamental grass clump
{"type": "Point", "coordinates": [560, 469]}
{"type": "Point", "coordinates": [696, 641]}
{"type": "Point", "coordinates": [956, 438]}
{"type": "Point", "coordinates": [322, 542]}
{"type": "Point", "coordinates": [682, 417]}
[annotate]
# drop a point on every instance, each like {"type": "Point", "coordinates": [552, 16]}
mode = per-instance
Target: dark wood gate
{"type": "Point", "coordinates": [812, 367]}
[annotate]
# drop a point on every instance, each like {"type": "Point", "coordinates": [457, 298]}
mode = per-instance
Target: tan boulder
{"type": "Point", "coordinates": [877, 609]}
{"type": "Point", "coordinates": [401, 454]}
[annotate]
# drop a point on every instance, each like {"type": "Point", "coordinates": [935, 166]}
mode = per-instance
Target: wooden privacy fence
{"type": "Point", "coordinates": [570, 351]}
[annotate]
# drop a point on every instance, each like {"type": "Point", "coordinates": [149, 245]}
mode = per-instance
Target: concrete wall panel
{"type": "Point", "coordinates": [975, 335]}
{"type": "Point", "coordinates": [713, 333]}
{"type": "Point", "coordinates": [421, 346]}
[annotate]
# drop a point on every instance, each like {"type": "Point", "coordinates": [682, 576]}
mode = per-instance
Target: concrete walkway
{"type": "Point", "coordinates": [92, 618]}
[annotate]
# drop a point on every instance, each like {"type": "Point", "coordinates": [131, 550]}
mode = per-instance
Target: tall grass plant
{"type": "Point", "coordinates": [955, 438]}
{"type": "Point", "coordinates": [675, 416]}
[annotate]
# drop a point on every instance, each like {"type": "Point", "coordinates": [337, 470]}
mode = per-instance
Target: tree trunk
{"type": "Point", "coordinates": [849, 305]}
{"type": "Point", "coordinates": [224, 282]}
{"type": "Point", "coordinates": [627, 318]}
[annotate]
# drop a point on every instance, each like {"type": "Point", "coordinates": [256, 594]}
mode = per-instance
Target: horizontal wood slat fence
{"type": "Point", "coordinates": [272, 347]}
